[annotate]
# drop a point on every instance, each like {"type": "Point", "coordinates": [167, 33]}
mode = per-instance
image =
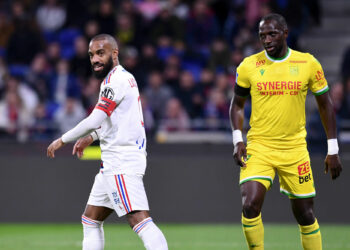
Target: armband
{"type": "Point", "coordinates": [333, 148]}
{"type": "Point", "coordinates": [242, 92]}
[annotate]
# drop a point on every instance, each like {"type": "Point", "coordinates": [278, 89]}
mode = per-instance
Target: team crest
{"type": "Point", "coordinates": [108, 93]}
{"type": "Point", "coordinates": [294, 70]}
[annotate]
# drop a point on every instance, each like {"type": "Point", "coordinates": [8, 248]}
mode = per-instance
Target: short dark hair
{"type": "Point", "coordinates": [107, 37]}
{"type": "Point", "coordinates": [278, 18]}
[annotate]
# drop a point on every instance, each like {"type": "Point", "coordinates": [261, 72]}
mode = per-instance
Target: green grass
{"type": "Point", "coordinates": [179, 236]}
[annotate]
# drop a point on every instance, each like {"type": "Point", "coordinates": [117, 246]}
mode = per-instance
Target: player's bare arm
{"type": "Point", "coordinates": [236, 119]}
{"type": "Point", "coordinates": [55, 145]}
{"type": "Point", "coordinates": [81, 144]}
{"type": "Point", "coordinates": [332, 161]}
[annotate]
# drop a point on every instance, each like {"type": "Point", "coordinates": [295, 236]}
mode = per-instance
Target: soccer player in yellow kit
{"type": "Point", "coordinates": [277, 79]}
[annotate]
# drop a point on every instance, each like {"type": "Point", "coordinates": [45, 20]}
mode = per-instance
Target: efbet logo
{"type": "Point", "coordinates": [304, 172]}
{"type": "Point", "coordinates": [262, 71]}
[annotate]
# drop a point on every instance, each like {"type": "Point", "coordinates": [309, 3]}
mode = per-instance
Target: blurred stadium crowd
{"type": "Point", "coordinates": [183, 55]}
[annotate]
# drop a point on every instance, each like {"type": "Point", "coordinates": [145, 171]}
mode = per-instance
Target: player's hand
{"type": "Point", "coordinates": [333, 165]}
{"type": "Point", "coordinates": [81, 144]}
{"type": "Point", "coordinates": [240, 154]}
{"type": "Point", "coordinates": [56, 144]}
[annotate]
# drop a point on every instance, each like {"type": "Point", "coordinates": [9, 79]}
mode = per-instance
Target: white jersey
{"type": "Point", "coordinates": [122, 134]}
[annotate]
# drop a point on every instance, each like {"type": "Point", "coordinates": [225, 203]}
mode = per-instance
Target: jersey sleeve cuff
{"type": "Point", "coordinates": [321, 91]}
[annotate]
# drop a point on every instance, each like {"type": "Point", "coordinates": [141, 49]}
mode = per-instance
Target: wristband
{"type": "Point", "coordinates": [94, 135]}
{"type": "Point", "coordinates": [237, 136]}
{"type": "Point", "coordinates": [333, 148]}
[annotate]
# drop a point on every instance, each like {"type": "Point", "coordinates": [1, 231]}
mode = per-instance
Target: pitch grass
{"type": "Point", "coordinates": [179, 236]}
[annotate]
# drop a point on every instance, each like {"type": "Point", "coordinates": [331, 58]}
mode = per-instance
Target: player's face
{"type": "Point", "coordinates": [273, 38]}
{"type": "Point", "coordinates": [100, 53]}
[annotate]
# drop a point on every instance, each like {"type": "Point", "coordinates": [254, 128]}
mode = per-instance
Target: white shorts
{"type": "Point", "coordinates": [123, 193]}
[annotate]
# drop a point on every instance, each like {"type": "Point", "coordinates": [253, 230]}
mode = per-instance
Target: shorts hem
{"type": "Point", "coordinates": [256, 178]}
{"type": "Point", "coordinates": [298, 196]}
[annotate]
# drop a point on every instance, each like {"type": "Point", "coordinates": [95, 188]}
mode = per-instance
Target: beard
{"type": "Point", "coordinates": [106, 68]}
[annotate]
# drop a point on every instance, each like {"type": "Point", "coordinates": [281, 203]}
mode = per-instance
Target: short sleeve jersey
{"type": "Point", "coordinates": [278, 89]}
{"type": "Point", "coordinates": [122, 136]}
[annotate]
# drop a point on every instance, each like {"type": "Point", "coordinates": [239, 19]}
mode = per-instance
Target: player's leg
{"type": "Point", "coordinates": [309, 229]}
{"type": "Point", "coordinates": [147, 230]}
{"type": "Point", "coordinates": [128, 197]}
{"type": "Point", "coordinates": [297, 182]}
{"type": "Point", "coordinates": [97, 210]}
{"type": "Point", "coordinates": [255, 179]}
{"type": "Point", "coordinates": [253, 194]}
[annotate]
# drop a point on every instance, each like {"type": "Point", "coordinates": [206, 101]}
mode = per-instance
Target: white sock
{"type": "Point", "coordinates": [150, 234]}
{"type": "Point", "coordinates": [93, 234]}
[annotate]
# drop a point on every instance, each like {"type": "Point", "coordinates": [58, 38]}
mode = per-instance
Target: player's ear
{"type": "Point", "coordinates": [285, 33]}
{"type": "Point", "coordinates": [115, 54]}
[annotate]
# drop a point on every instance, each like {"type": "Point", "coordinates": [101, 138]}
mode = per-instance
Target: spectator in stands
{"type": "Point", "coordinates": [176, 117]}
{"type": "Point", "coordinates": [69, 115]}
{"type": "Point", "coordinates": [105, 17]}
{"type": "Point", "coordinates": [38, 75]}
{"type": "Point", "coordinates": [189, 95]}
{"type": "Point", "coordinates": [91, 29]}
{"type": "Point", "coordinates": [43, 127]}
{"type": "Point", "coordinates": [51, 16]}
{"type": "Point", "coordinates": [6, 29]}
{"type": "Point", "coordinates": [201, 28]}
{"type": "Point", "coordinates": [130, 61]}
{"type": "Point", "coordinates": [216, 109]}
{"type": "Point", "coordinates": [90, 93]}
{"type": "Point", "coordinates": [148, 118]}
{"type": "Point", "coordinates": [53, 54]}
{"type": "Point", "coordinates": [126, 32]}
{"type": "Point", "coordinates": [166, 24]}
{"type": "Point", "coordinates": [80, 62]}
{"type": "Point", "coordinates": [149, 9]}
{"type": "Point", "coordinates": [179, 9]}
{"type": "Point", "coordinates": [157, 94]}
{"type": "Point", "coordinates": [17, 109]}
{"type": "Point", "coordinates": [63, 84]}
{"type": "Point", "coordinates": [219, 56]}
{"type": "Point", "coordinates": [24, 43]}
{"type": "Point", "coordinates": [206, 82]}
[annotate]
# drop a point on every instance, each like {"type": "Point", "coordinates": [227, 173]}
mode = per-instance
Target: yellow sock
{"type": "Point", "coordinates": [253, 230]}
{"type": "Point", "coordinates": [311, 236]}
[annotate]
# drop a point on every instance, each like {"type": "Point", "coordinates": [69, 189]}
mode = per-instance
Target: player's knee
{"type": "Point", "coordinates": [306, 217]}
{"type": "Point", "coordinates": [251, 209]}
{"type": "Point", "coordinates": [87, 222]}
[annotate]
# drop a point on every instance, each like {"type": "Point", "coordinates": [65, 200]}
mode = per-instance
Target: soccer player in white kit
{"type": "Point", "coordinates": [117, 122]}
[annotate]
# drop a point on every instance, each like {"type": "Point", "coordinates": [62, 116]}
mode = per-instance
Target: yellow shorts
{"type": "Point", "coordinates": [293, 169]}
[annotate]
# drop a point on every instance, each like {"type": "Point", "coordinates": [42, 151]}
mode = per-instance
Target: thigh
{"type": "Point", "coordinates": [99, 194]}
{"type": "Point", "coordinates": [295, 175]}
{"type": "Point", "coordinates": [97, 213]}
{"type": "Point", "coordinates": [258, 168]}
{"type": "Point", "coordinates": [127, 193]}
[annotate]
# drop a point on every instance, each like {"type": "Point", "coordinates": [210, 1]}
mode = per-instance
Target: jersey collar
{"type": "Point", "coordinates": [281, 59]}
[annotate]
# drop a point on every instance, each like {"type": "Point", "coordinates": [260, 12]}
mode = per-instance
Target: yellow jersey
{"type": "Point", "coordinates": [278, 89]}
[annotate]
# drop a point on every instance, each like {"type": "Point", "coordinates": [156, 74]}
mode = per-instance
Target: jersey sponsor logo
{"type": "Point", "coordinates": [260, 63]}
{"type": "Point", "coordinates": [278, 87]}
{"type": "Point", "coordinates": [294, 70]}
{"type": "Point", "coordinates": [304, 168]}
{"type": "Point", "coordinates": [108, 93]}
{"type": "Point", "coordinates": [304, 172]}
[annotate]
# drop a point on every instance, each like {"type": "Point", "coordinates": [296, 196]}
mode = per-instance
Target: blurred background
{"type": "Point", "coordinates": [183, 55]}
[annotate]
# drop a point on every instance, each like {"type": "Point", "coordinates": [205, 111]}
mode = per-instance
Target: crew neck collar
{"type": "Point", "coordinates": [280, 59]}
